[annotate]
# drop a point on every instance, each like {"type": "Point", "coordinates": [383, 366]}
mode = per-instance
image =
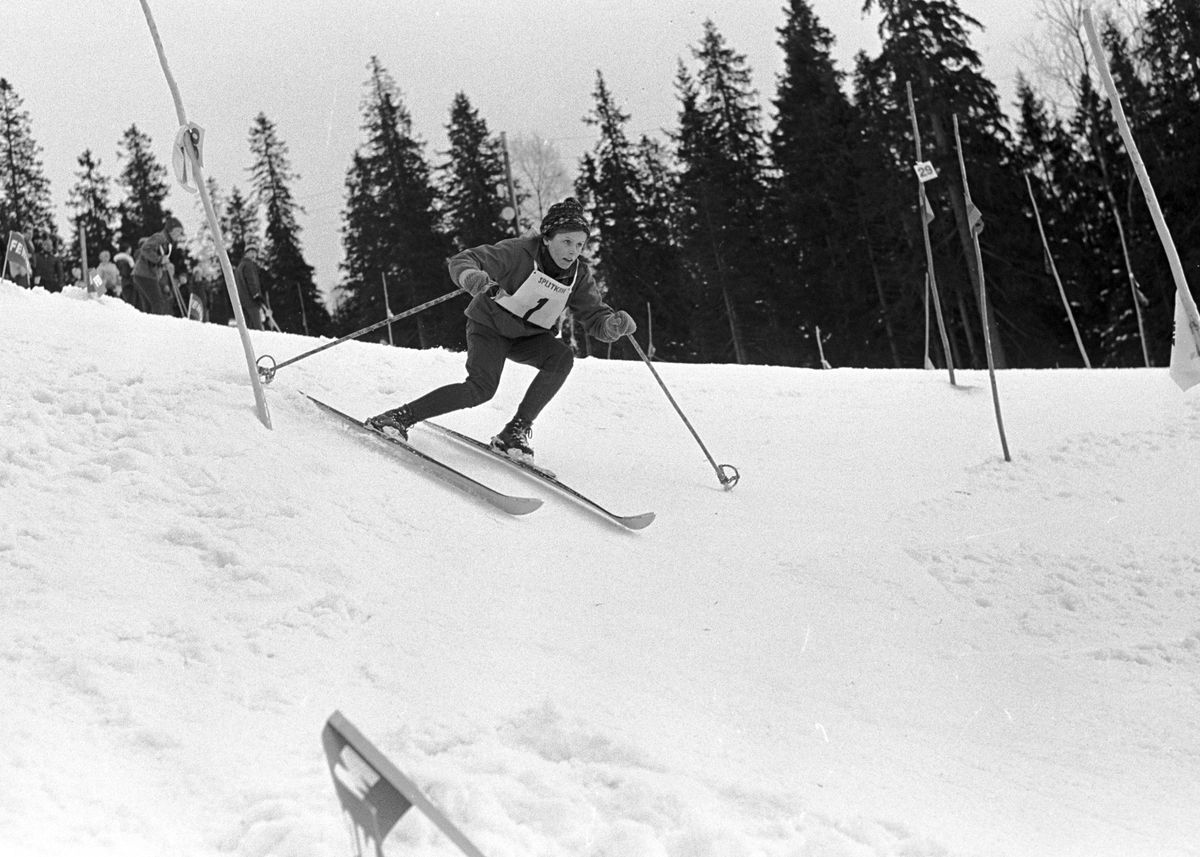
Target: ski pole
{"type": "Point", "coordinates": [268, 372]}
{"type": "Point", "coordinates": [727, 482]}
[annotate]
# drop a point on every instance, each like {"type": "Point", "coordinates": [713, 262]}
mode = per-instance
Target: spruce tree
{"type": "Point", "coordinates": [815, 213]}
{"type": "Point", "coordinates": [926, 43]}
{"type": "Point", "coordinates": [203, 243]}
{"type": "Point", "coordinates": [288, 278]}
{"type": "Point", "coordinates": [883, 305]}
{"type": "Point", "coordinates": [721, 153]}
{"type": "Point", "coordinates": [391, 226]}
{"type": "Point", "coordinates": [239, 223]}
{"type": "Point", "coordinates": [469, 179]}
{"type": "Point", "coordinates": [1046, 152]}
{"type": "Point", "coordinates": [90, 203]}
{"type": "Point", "coordinates": [1104, 222]}
{"type": "Point", "coordinates": [1169, 138]}
{"type": "Point", "coordinates": [627, 188]}
{"type": "Point", "coordinates": [144, 181]}
{"type": "Point", "coordinates": [24, 188]}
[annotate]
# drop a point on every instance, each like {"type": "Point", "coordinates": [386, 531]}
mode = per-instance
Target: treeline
{"type": "Point", "coordinates": [730, 242]}
{"type": "Point", "coordinates": [743, 243]}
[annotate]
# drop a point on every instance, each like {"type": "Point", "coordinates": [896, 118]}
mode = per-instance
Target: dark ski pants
{"type": "Point", "coordinates": [150, 296]}
{"type": "Point", "coordinates": [251, 312]}
{"type": "Point", "coordinates": [486, 352]}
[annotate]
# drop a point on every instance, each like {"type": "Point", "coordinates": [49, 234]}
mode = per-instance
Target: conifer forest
{"type": "Point", "coordinates": [759, 219]}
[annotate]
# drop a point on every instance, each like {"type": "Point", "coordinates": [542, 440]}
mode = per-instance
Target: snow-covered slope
{"type": "Point", "coordinates": [885, 640]}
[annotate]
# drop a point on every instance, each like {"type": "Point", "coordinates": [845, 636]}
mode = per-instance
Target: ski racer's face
{"type": "Point", "coordinates": [565, 247]}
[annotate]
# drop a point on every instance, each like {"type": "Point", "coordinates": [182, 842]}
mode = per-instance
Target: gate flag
{"type": "Point", "coordinates": [16, 256]}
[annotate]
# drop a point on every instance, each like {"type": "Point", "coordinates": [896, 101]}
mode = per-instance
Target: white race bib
{"type": "Point", "coordinates": [540, 300]}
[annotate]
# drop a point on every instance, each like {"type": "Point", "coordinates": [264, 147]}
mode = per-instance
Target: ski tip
{"type": "Point", "coordinates": [523, 505]}
{"type": "Point", "coordinates": [637, 522]}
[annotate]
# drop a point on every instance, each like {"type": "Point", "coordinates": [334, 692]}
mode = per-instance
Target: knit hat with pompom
{"type": "Point", "coordinates": [565, 216]}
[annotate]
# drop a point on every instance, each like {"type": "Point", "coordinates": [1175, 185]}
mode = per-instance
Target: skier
{"type": "Point", "coordinates": [520, 287]}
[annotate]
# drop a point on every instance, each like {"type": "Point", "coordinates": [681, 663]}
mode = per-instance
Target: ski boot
{"type": "Point", "coordinates": [394, 423]}
{"type": "Point", "coordinates": [513, 440]}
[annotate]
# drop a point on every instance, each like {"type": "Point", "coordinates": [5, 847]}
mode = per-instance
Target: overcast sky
{"type": "Point", "coordinates": [88, 70]}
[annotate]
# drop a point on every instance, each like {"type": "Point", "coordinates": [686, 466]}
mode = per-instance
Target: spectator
{"type": "Point", "coordinates": [220, 310]}
{"type": "Point", "coordinates": [110, 274]}
{"type": "Point", "coordinates": [249, 287]}
{"type": "Point", "coordinates": [151, 271]}
{"type": "Point", "coordinates": [48, 268]}
{"type": "Point", "coordinates": [191, 292]}
{"type": "Point", "coordinates": [124, 262]}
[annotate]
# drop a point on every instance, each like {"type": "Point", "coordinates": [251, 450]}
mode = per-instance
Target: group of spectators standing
{"type": "Point", "coordinates": [148, 279]}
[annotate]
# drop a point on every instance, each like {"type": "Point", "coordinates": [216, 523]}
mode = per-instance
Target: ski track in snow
{"type": "Point", "coordinates": [886, 640]}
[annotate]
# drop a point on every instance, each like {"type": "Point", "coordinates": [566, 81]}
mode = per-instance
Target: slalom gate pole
{"type": "Point", "coordinates": [1183, 295]}
{"type": "Point", "coordinates": [727, 481]}
{"type": "Point", "coordinates": [1054, 270]}
{"type": "Point", "coordinates": [925, 207]}
{"type": "Point", "coordinates": [83, 254]}
{"type": "Point", "coordinates": [976, 227]}
{"type": "Point", "coordinates": [387, 305]}
{"type": "Point", "coordinates": [268, 372]}
{"type": "Point", "coordinates": [190, 138]}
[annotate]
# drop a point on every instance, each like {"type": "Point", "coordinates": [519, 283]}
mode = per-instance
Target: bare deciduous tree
{"type": "Point", "coordinates": [538, 169]}
{"type": "Point", "coordinates": [1059, 52]}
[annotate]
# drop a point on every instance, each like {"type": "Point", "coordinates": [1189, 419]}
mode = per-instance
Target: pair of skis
{"type": "Point", "coordinates": [505, 502]}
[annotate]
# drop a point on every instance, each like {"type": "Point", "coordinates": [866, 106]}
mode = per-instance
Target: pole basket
{"type": "Point", "coordinates": [265, 371]}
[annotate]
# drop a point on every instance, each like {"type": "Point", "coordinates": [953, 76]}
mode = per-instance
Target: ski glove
{"type": "Point", "coordinates": [619, 324]}
{"type": "Point", "coordinates": [474, 282]}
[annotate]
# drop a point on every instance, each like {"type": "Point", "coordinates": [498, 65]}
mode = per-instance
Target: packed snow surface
{"type": "Point", "coordinates": [885, 640]}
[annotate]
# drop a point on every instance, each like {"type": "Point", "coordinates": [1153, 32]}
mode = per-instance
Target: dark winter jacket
{"type": "Point", "coordinates": [152, 256]}
{"type": "Point", "coordinates": [48, 272]}
{"type": "Point", "coordinates": [509, 263]}
{"type": "Point", "coordinates": [248, 285]}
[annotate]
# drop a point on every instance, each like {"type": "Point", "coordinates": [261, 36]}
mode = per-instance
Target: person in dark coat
{"type": "Point", "coordinates": [249, 287]}
{"type": "Point", "coordinates": [520, 288]}
{"type": "Point", "coordinates": [48, 269]}
{"type": "Point", "coordinates": [151, 273]}
{"type": "Point", "coordinates": [125, 262]}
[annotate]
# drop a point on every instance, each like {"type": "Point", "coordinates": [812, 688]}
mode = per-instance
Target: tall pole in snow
{"type": "Point", "coordinates": [387, 306]}
{"type": "Point", "coordinates": [1054, 270]}
{"type": "Point", "coordinates": [189, 139]}
{"type": "Point", "coordinates": [925, 215]}
{"type": "Point", "coordinates": [83, 260]}
{"type": "Point", "coordinates": [1185, 355]}
{"type": "Point", "coordinates": [976, 222]}
{"type": "Point", "coordinates": [512, 189]}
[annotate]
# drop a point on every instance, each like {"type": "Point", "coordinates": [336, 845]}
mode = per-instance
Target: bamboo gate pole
{"type": "Point", "coordinates": [387, 306]}
{"type": "Point", "coordinates": [930, 279]}
{"type": "Point", "coordinates": [303, 311]}
{"type": "Point", "coordinates": [83, 260]}
{"type": "Point", "coordinates": [976, 223]}
{"type": "Point", "coordinates": [1054, 270]}
{"type": "Point", "coordinates": [1187, 317]}
{"type": "Point", "coordinates": [512, 188]}
{"type": "Point", "coordinates": [191, 140]}
{"type": "Point", "coordinates": [821, 349]}
{"type": "Point", "coordinates": [925, 301]}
